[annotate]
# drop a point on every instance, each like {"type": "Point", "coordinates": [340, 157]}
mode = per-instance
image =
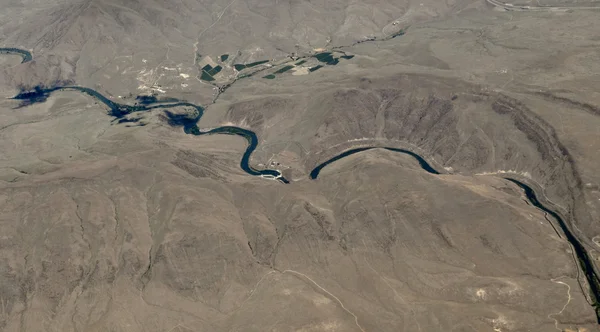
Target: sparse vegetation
{"type": "Point", "coordinates": [115, 220]}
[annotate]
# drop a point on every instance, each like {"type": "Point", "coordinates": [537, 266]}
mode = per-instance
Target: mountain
{"type": "Point", "coordinates": [299, 166]}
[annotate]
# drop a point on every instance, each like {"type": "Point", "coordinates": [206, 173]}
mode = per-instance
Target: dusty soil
{"type": "Point", "coordinates": [110, 226]}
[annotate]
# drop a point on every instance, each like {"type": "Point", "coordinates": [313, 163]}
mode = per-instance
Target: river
{"type": "Point", "coordinates": [190, 126]}
{"type": "Point", "coordinates": [585, 262]}
{"type": "Point", "coordinates": [26, 55]}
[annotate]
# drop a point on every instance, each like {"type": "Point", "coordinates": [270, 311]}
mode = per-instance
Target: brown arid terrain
{"type": "Point", "coordinates": [139, 218]}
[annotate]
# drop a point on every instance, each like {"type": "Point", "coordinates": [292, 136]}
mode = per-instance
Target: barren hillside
{"type": "Point", "coordinates": [299, 166]}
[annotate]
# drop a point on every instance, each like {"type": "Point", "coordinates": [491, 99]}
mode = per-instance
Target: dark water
{"type": "Point", "coordinates": [421, 161]}
{"type": "Point", "coordinates": [315, 172]}
{"type": "Point", "coordinates": [40, 94]}
{"type": "Point", "coordinates": [26, 55]}
{"type": "Point", "coordinates": [146, 100]}
{"type": "Point", "coordinates": [582, 255]}
{"type": "Point", "coordinates": [325, 57]}
{"type": "Point", "coordinates": [189, 122]}
{"type": "Point", "coordinates": [252, 139]}
{"type": "Point", "coordinates": [256, 63]}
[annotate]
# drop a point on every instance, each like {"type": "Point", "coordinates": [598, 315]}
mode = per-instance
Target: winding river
{"type": "Point", "coordinates": [315, 172]}
{"type": "Point", "coordinates": [583, 257]}
{"type": "Point", "coordinates": [190, 126]}
{"type": "Point", "coordinates": [585, 262]}
{"type": "Point", "coordinates": [26, 55]}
